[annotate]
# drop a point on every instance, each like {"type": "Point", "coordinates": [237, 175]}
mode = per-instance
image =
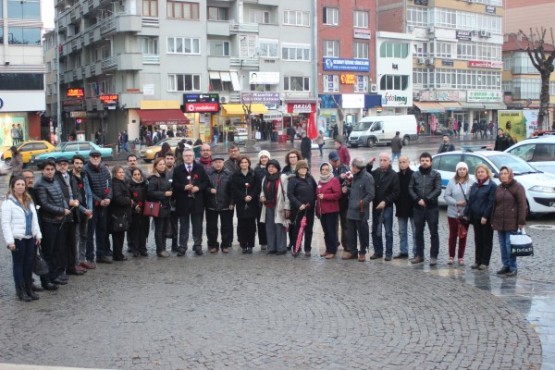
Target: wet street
{"type": "Point", "coordinates": [251, 312]}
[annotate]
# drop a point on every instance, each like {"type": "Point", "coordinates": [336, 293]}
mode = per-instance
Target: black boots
{"type": "Point", "coordinates": [29, 289]}
{"type": "Point", "coordinates": [47, 284]}
{"type": "Point", "coordinates": [22, 293]}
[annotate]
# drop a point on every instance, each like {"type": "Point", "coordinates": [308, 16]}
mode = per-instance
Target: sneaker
{"type": "Point", "coordinates": [163, 254]}
{"type": "Point", "coordinates": [433, 261]}
{"type": "Point", "coordinates": [417, 260]}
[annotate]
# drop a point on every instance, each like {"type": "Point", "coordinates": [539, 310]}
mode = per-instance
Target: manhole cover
{"type": "Point", "coordinates": [542, 227]}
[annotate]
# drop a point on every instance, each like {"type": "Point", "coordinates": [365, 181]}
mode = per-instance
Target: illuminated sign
{"type": "Point", "coordinates": [109, 98]}
{"type": "Point", "coordinates": [201, 103]}
{"type": "Point", "coordinates": [201, 107]}
{"type": "Point", "coordinates": [348, 79]}
{"type": "Point", "coordinates": [75, 92]}
{"type": "Point", "coordinates": [201, 98]}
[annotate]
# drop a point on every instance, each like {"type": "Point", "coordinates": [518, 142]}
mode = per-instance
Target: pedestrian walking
{"type": "Point", "coordinates": [396, 146]}
{"type": "Point", "coordinates": [320, 142]}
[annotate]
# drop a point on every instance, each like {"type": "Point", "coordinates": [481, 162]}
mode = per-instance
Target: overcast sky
{"type": "Point", "coordinates": [48, 14]}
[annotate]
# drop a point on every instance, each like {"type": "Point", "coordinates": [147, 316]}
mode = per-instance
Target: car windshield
{"type": "Point", "coordinates": [516, 164]}
{"type": "Point", "coordinates": [362, 126]}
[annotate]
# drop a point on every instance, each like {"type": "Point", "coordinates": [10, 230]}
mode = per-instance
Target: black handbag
{"type": "Point", "coordinates": [120, 223]}
{"type": "Point", "coordinates": [40, 267]}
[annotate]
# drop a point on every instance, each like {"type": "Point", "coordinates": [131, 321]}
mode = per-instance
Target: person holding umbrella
{"type": "Point", "coordinates": [301, 191]}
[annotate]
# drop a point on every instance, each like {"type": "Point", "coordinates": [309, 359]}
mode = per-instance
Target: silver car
{"type": "Point", "coordinates": [539, 152]}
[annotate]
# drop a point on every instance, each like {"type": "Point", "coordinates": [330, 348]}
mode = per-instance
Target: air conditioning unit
{"type": "Point", "coordinates": [488, 34]}
{"type": "Point", "coordinates": [483, 33]}
{"type": "Point", "coordinates": [223, 99]}
{"type": "Point", "coordinates": [431, 29]}
{"type": "Point", "coordinates": [373, 88]}
{"type": "Point", "coordinates": [421, 60]}
{"type": "Point", "coordinates": [430, 61]}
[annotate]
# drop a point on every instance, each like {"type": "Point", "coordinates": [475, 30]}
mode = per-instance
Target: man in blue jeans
{"type": "Point", "coordinates": [404, 209]}
{"type": "Point", "coordinates": [386, 184]}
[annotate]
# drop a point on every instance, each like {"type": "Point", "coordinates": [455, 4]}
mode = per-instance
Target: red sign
{"type": "Point", "coordinates": [75, 92]}
{"type": "Point", "coordinates": [109, 98]}
{"type": "Point", "coordinates": [201, 107]}
{"type": "Point", "coordinates": [485, 64]}
{"type": "Point", "coordinates": [301, 107]}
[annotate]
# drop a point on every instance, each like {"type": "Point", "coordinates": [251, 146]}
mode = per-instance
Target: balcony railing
{"type": "Point", "coordinates": [151, 59]}
{"type": "Point", "coordinates": [243, 27]}
{"type": "Point", "coordinates": [244, 63]}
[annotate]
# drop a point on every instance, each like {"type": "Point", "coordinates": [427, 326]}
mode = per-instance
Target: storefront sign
{"type": "Point", "coordinates": [490, 9]}
{"type": "Point", "coordinates": [362, 33]}
{"type": "Point", "coordinates": [476, 96]}
{"type": "Point", "coordinates": [353, 65]}
{"type": "Point", "coordinates": [201, 103]}
{"type": "Point", "coordinates": [485, 64]}
{"type": "Point", "coordinates": [265, 97]}
{"type": "Point", "coordinates": [301, 107]}
{"type": "Point", "coordinates": [75, 92]}
{"type": "Point", "coordinates": [348, 79]}
{"type": "Point", "coordinates": [263, 78]}
{"type": "Point", "coordinates": [201, 98]}
{"type": "Point", "coordinates": [420, 2]}
{"type": "Point", "coordinates": [394, 99]}
{"type": "Point", "coordinates": [108, 98]}
{"type": "Point", "coordinates": [202, 107]}
{"type": "Point", "coordinates": [78, 114]}
{"type": "Point", "coordinates": [442, 95]}
{"type": "Point", "coordinates": [464, 35]}
{"type": "Point", "coordinates": [353, 101]}
{"type": "Point", "coordinates": [447, 63]}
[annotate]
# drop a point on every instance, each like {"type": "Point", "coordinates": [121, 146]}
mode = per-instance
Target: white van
{"type": "Point", "coordinates": [381, 129]}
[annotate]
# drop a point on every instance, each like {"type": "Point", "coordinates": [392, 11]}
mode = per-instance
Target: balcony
{"type": "Point", "coordinates": [249, 64]}
{"type": "Point", "coordinates": [120, 23]}
{"type": "Point", "coordinates": [123, 62]}
{"type": "Point", "coordinates": [75, 13]}
{"type": "Point", "coordinates": [243, 28]}
{"type": "Point", "coordinates": [76, 43]}
{"type": "Point", "coordinates": [151, 59]}
{"type": "Point", "coordinates": [263, 2]}
{"type": "Point", "coordinates": [77, 74]}
{"type": "Point", "coordinates": [150, 22]}
{"type": "Point", "coordinates": [217, 28]}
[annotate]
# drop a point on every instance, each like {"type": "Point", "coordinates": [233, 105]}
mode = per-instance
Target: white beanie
{"type": "Point", "coordinates": [461, 165]}
{"type": "Point", "coordinates": [264, 152]}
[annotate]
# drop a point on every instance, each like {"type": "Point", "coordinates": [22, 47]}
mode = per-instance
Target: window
{"type": "Point", "coordinates": [28, 9]}
{"type": "Point", "coordinates": [268, 48]}
{"type": "Point", "coordinates": [330, 83]}
{"type": "Point", "coordinates": [331, 48]}
{"type": "Point", "coordinates": [394, 82]}
{"type": "Point", "coordinates": [218, 48]}
{"type": "Point", "coordinates": [150, 8]}
{"type": "Point", "coordinates": [182, 10]}
{"type": "Point", "coordinates": [417, 17]}
{"type": "Point", "coordinates": [295, 52]}
{"type": "Point", "coordinates": [360, 50]}
{"type": "Point", "coordinates": [217, 14]}
{"type": "Point", "coordinates": [360, 19]}
{"type": "Point", "coordinates": [296, 83]}
{"type": "Point", "coordinates": [331, 16]}
{"type": "Point", "coordinates": [71, 147]}
{"type": "Point", "coordinates": [447, 163]}
{"type": "Point", "coordinates": [472, 161]}
{"type": "Point", "coordinates": [443, 50]}
{"type": "Point", "coordinates": [24, 36]}
{"type": "Point", "coordinates": [22, 81]}
{"type": "Point", "coordinates": [296, 18]}
{"type": "Point", "coordinates": [362, 84]}
{"type": "Point", "coordinates": [259, 16]}
{"type": "Point", "coordinates": [394, 50]}
{"type": "Point", "coordinates": [149, 45]}
{"type": "Point", "coordinates": [85, 146]}
{"type": "Point", "coordinates": [183, 45]}
{"type": "Point", "coordinates": [183, 82]}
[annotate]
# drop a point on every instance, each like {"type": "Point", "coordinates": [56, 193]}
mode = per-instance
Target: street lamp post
{"type": "Point", "coordinates": [58, 99]}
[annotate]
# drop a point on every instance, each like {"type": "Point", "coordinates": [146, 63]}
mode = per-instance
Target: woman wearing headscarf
{"type": "Point", "coordinates": [260, 172]}
{"type": "Point", "coordinates": [509, 215]}
{"type": "Point", "coordinates": [478, 212]}
{"type": "Point", "coordinates": [245, 196]}
{"type": "Point", "coordinates": [275, 208]}
{"type": "Point", "coordinates": [456, 197]}
{"type": "Point", "coordinates": [328, 194]}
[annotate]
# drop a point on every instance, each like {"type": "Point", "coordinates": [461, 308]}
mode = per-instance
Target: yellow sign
{"type": "Point", "coordinates": [348, 79]}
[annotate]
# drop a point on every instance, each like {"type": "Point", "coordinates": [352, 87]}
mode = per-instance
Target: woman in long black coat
{"type": "Point", "coordinates": [245, 192]}
{"type": "Point", "coordinates": [120, 211]}
{"type": "Point", "coordinates": [160, 190]}
{"type": "Point", "coordinates": [138, 231]}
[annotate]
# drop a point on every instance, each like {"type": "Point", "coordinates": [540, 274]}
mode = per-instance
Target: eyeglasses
{"type": "Point", "coordinates": [95, 156]}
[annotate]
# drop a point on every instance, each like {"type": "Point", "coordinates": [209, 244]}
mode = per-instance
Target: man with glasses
{"type": "Point", "coordinates": [205, 159]}
{"type": "Point", "coordinates": [232, 163]}
{"type": "Point", "coordinates": [101, 186]}
{"type": "Point", "coordinates": [131, 165]}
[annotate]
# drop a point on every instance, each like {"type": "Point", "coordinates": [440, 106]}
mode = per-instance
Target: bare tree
{"type": "Point", "coordinates": [542, 56]}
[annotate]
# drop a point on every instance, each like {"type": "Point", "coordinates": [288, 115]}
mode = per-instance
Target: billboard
{"type": "Point", "coordinates": [519, 124]}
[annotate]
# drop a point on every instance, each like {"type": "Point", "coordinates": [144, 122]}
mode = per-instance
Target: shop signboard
{"type": "Point", "coordinates": [201, 103]}
{"type": "Point", "coordinates": [478, 96]}
{"type": "Point", "coordinates": [263, 97]}
{"type": "Point", "coordinates": [518, 124]}
{"type": "Point", "coordinates": [351, 65]}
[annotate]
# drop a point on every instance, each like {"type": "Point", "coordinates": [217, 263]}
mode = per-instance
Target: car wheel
{"type": "Point", "coordinates": [406, 140]}
{"type": "Point", "coordinates": [371, 142]}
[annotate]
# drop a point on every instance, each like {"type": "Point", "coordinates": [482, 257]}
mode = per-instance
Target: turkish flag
{"type": "Point", "coordinates": [311, 129]}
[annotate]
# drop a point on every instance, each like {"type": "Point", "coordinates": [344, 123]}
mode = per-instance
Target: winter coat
{"type": "Point", "coordinates": [403, 204]}
{"type": "Point", "coordinates": [396, 144]}
{"type": "Point", "coordinates": [100, 182]}
{"type": "Point", "coordinates": [120, 206]}
{"type": "Point", "coordinates": [362, 189]}
{"type": "Point", "coordinates": [74, 195]}
{"type": "Point", "coordinates": [509, 207]}
{"type": "Point", "coordinates": [344, 156]}
{"type": "Point", "coordinates": [86, 197]}
{"type": "Point", "coordinates": [306, 147]}
{"type": "Point", "coordinates": [13, 221]}
{"type": "Point", "coordinates": [425, 184]}
{"type": "Point", "coordinates": [260, 172]}
{"type": "Point", "coordinates": [301, 191]}
{"type": "Point", "coordinates": [480, 201]}
{"type": "Point", "coordinates": [158, 184]}
{"type": "Point", "coordinates": [387, 187]}
{"type": "Point", "coordinates": [239, 191]}
{"type": "Point", "coordinates": [221, 181]}
{"type": "Point", "coordinates": [332, 194]}
{"type": "Point", "coordinates": [443, 148]}
{"type": "Point", "coordinates": [184, 203]}
{"type": "Point", "coordinates": [51, 200]}
{"type": "Point", "coordinates": [138, 192]}
{"type": "Point", "coordinates": [282, 202]}
{"type": "Point", "coordinates": [453, 194]}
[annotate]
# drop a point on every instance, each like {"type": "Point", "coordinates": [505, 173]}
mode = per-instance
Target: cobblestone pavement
{"type": "Point", "coordinates": [276, 312]}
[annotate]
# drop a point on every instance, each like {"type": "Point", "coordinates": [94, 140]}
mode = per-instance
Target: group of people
{"type": "Point", "coordinates": [17, 134]}
{"type": "Point", "coordinates": [70, 213]}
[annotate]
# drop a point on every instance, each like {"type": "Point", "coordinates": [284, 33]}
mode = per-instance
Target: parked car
{"type": "Point", "coordinates": [538, 151]}
{"type": "Point", "coordinates": [374, 130]}
{"type": "Point", "coordinates": [68, 149]}
{"type": "Point", "coordinates": [28, 149]}
{"type": "Point", "coordinates": [539, 186]}
{"type": "Point", "coordinates": [149, 153]}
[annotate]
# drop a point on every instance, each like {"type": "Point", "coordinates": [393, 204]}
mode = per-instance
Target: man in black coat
{"type": "Point", "coordinates": [306, 148]}
{"type": "Point", "coordinates": [189, 183]}
{"type": "Point", "coordinates": [403, 209]}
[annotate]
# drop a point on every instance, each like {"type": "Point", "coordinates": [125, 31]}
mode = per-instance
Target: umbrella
{"type": "Point", "coordinates": [300, 234]}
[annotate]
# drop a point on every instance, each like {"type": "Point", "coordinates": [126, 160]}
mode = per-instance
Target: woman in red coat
{"type": "Point", "coordinates": [328, 193]}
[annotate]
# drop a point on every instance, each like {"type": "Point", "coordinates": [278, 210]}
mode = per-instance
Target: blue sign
{"type": "Point", "coordinates": [330, 101]}
{"type": "Point", "coordinates": [351, 65]}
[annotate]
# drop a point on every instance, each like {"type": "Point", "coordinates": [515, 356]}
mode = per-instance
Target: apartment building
{"type": "Point", "coordinates": [21, 68]}
{"type": "Point", "coordinates": [145, 63]}
{"type": "Point", "coordinates": [457, 61]}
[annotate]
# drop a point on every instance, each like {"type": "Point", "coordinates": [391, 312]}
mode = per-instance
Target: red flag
{"type": "Point", "coordinates": [311, 129]}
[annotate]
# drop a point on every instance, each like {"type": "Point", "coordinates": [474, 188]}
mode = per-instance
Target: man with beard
{"type": "Point", "coordinates": [85, 210]}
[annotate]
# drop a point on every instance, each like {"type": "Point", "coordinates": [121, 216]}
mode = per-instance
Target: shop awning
{"type": "Point", "coordinates": [429, 107]}
{"type": "Point", "coordinates": [451, 105]}
{"type": "Point", "coordinates": [162, 117]}
{"type": "Point", "coordinates": [483, 105]}
{"type": "Point", "coordinates": [237, 109]}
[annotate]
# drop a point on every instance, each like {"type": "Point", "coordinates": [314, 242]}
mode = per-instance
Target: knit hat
{"type": "Point", "coordinates": [461, 165]}
{"type": "Point", "coordinates": [274, 163]}
{"type": "Point", "coordinates": [301, 164]}
{"type": "Point", "coordinates": [264, 153]}
{"type": "Point", "coordinates": [333, 156]}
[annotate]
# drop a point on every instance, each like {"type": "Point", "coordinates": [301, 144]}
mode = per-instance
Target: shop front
{"type": "Point", "coordinates": [301, 115]}
{"type": "Point", "coordinates": [22, 111]}
{"type": "Point", "coordinates": [233, 121]}
{"type": "Point", "coordinates": [161, 117]}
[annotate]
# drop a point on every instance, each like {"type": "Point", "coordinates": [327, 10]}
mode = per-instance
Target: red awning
{"type": "Point", "coordinates": [162, 117]}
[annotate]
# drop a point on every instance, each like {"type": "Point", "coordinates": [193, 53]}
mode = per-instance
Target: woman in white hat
{"type": "Point", "coordinates": [456, 197]}
{"type": "Point", "coordinates": [261, 171]}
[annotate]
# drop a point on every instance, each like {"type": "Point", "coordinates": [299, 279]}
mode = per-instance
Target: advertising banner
{"type": "Point", "coordinates": [518, 124]}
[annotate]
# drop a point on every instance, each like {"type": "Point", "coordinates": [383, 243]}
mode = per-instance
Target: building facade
{"type": "Point", "coordinates": [21, 69]}
{"type": "Point", "coordinates": [457, 62]}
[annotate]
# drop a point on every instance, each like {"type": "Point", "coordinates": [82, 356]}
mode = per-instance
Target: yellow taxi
{"type": "Point", "coordinates": [28, 149]}
{"type": "Point", "coordinates": [150, 152]}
